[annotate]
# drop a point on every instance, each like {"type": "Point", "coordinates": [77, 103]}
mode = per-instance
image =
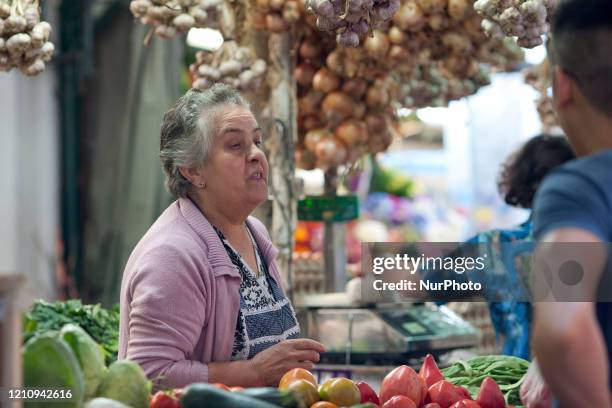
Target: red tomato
{"type": "Point", "coordinates": [444, 393]}
{"type": "Point", "coordinates": [430, 372]}
{"type": "Point", "coordinates": [163, 400]}
{"type": "Point", "coordinates": [432, 405]}
{"type": "Point", "coordinates": [490, 396]}
{"type": "Point", "coordinates": [467, 403]}
{"type": "Point", "coordinates": [367, 393]}
{"type": "Point", "coordinates": [463, 391]}
{"type": "Point", "coordinates": [399, 401]}
{"type": "Point", "coordinates": [178, 393]}
{"type": "Point", "coordinates": [403, 380]}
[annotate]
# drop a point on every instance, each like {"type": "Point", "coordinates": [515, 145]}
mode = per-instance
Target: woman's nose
{"type": "Point", "coordinates": [256, 153]}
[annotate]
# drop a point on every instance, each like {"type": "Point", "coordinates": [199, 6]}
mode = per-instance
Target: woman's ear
{"type": "Point", "coordinates": [194, 175]}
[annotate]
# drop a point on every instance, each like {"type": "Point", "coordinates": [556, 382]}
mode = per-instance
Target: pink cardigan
{"type": "Point", "coordinates": [180, 296]}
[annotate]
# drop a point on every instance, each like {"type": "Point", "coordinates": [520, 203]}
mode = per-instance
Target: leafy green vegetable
{"type": "Point", "coordinates": [126, 382]}
{"type": "Point", "coordinates": [507, 371]}
{"type": "Point", "coordinates": [89, 355]}
{"type": "Point", "coordinates": [101, 324]}
{"type": "Point", "coordinates": [48, 362]}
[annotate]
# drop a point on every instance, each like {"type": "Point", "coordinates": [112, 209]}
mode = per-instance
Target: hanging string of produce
{"type": "Point", "coordinates": [540, 79]}
{"type": "Point", "coordinates": [528, 20]}
{"type": "Point", "coordinates": [276, 16]}
{"type": "Point", "coordinates": [352, 20]}
{"type": "Point", "coordinates": [231, 64]}
{"type": "Point", "coordinates": [24, 38]}
{"type": "Point", "coordinates": [169, 18]}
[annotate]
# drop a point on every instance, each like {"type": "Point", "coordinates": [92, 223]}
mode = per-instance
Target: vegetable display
{"type": "Point", "coordinates": [24, 38]}
{"type": "Point", "coordinates": [508, 373]}
{"type": "Point", "coordinates": [69, 359]}
{"type": "Point", "coordinates": [101, 324]}
{"type": "Point", "coordinates": [528, 20]}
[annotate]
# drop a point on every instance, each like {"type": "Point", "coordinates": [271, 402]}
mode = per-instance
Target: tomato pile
{"type": "Point", "coordinates": [403, 387]}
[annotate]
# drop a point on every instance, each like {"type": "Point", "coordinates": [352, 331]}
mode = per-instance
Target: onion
{"type": "Point", "coordinates": [360, 110]}
{"type": "Point", "coordinates": [277, 4]}
{"type": "Point", "coordinates": [309, 104]}
{"type": "Point", "coordinates": [377, 45]}
{"type": "Point", "coordinates": [305, 159]}
{"type": "Point", "coordinates": [275, 23]}
{"type": "Point", "coordinates": [304, 73]}
{"type": "Point", "coordinates": [313, 137]}
{"type": "Point", "coordinates": [398, 53]}
{"type": "Point", "coordinates": [379, 142]}
{"type": "Point", "coordinates": [330, 152]}
{"type": "Point", "coordinates": [376, 123]}
{"type": "Point", "coordinates": [458, 10]}
{"type": "Point", "coordinates": [335, 62]}
{"type": "Point", "coordinates": [377, 96]}
{"type": "Point", "coordinates": [351, 132]}
{"type": "Point", "coordinates": [409, 17]}
{"type": "Point", "coordinates": [438, 22]}
{"type": "Point", "coordinates": [355, 87]}
{"type": "Point", "coordinates": [263, 4]}
{"type": "Point", "coordinates": [325, 81]}
{"type": "Point", "coordinates": [396, 36]}
{"type": "Point", "coordinates": [311, 122]}
{"type": "Point", "coordinates": [310, 48]}
{"type": "Point", "coordinates": [432, 6]}
{"type": "Point", "coordinates": [338, 104]}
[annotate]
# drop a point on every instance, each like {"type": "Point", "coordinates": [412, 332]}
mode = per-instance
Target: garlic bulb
{"type": "Point", "coordinates": [168, 18]}
{"type": "Point", "coordinates": [24, 39]}
{"type": "Point", "coordinates": [230, 64]}
{"type": "Point", "coordinates": [528, 20]}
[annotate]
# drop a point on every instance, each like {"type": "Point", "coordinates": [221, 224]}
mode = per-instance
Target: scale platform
{"type": "Point", "coordinates": [383, 333]}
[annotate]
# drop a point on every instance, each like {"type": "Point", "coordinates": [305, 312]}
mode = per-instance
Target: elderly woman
{"type": "Point", "coordinates": [201, 296]}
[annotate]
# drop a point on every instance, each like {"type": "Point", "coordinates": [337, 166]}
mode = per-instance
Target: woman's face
{"type": "Point", "coordinates": [236, 172]}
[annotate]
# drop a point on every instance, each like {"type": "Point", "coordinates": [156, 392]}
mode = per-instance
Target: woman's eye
{"type": "Point", "coordinates": [236, 146]}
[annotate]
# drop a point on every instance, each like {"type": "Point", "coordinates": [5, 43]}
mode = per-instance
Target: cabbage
{"type": "Point", "coordinates": [104, 403]}
{"type": "Point", "coordinates": [48, 362]}
{"type": "Point", "coordinates": [89, 354]}
{"type": "Point", "coordinates": [126, 382]}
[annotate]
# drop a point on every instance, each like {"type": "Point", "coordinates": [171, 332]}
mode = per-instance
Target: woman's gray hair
{"type": "Point", "coordinates": [188, 130]}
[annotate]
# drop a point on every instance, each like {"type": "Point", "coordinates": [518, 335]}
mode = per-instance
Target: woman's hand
{"type": "Point", "coordinates": [272, 363]}
{"type": "Point", "coordinates": [534, 391]}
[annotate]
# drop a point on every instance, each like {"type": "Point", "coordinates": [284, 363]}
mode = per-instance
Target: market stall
{"type": "Point", "coordinates": [328, 80]}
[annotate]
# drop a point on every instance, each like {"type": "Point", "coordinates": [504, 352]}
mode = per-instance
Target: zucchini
{"type": "Point", "coordinates": [202, 395]}
{"type": "Point", "coordinates": [282, 398]}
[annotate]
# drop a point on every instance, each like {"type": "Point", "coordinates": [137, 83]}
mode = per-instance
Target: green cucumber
{"type": "Point", "coordinates": [282, 398]}
{"type": "Point", "coordinates": [202, 395]}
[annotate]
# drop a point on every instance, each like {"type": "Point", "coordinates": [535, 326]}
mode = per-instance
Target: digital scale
{"type": "Point", "coordinates": [382, 334]}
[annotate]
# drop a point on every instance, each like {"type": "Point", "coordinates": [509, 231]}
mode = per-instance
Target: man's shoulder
{"type": "Point", "coordinates": [587, 173]}
{"type": "Point", "coordinates": [595, 166]}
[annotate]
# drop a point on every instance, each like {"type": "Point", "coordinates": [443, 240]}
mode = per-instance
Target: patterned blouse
{"type": "Point", "coordinates": [266, 316]}
{"type": "Point", "coordinates": [511, 318]}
